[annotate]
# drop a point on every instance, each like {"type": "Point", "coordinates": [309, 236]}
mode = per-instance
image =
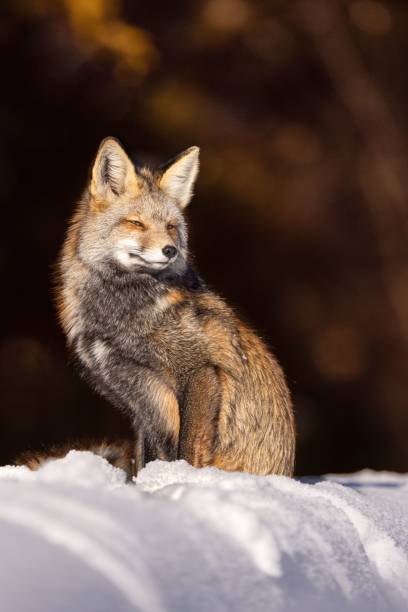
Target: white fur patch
{"type": "Point", "coordinates": [83, 354]}
{"type": "Point", "coordinates": [124, 258]}
{"type": "Point", "coordinates": [100, 351]}
{"type": "Point", "coordinates": [123, 249]}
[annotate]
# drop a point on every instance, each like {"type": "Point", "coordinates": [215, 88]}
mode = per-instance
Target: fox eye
{"type": "Point", "coordinates": [171, 226]}
{"type": "Point", "coordinates": [137, 223]}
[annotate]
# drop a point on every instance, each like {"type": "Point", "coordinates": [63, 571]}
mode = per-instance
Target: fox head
{"type": "Point", "coordinates": [134, 217]}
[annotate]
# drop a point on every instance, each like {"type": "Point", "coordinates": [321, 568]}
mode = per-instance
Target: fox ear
{"type": "Point", "coordinates": [112, 172]}
{"type": "Point", "coordinates": [179, 176]}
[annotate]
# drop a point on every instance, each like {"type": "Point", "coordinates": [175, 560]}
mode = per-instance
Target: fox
{"type": "Point", "coordinates": [149, 335]}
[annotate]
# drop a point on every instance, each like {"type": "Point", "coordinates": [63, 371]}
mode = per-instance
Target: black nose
{"type": "Point", "coordinates": [169, 251]}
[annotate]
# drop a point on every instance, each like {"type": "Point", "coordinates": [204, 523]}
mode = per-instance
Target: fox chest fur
{"type": "Point", "coordinates": [143, 322]}
{"type": "Point", "coordinates": [171, 330]}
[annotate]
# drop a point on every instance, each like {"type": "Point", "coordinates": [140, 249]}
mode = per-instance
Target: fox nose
{"type": "Point", "coordinates": [169, 251]}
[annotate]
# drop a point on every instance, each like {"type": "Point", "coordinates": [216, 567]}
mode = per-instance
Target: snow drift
{"type": "Point", "coordinates": [74, 536]}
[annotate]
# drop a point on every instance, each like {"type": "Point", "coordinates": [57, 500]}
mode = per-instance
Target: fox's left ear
{"type": "Point", "coordinates": [113, 172]}
{"type": "Point", "coordinates": [179, 176]}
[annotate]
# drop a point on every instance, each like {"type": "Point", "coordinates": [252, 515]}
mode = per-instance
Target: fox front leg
{"type": "Point", "coordinates": [156, 417]}
{"type": "Point", "coordinates": [139, 456]}
{"type": "Point", "coordinates": [200, 411]}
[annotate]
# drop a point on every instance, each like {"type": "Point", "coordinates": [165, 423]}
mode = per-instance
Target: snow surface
{"type": "Point", "coordinates": [75, 536]}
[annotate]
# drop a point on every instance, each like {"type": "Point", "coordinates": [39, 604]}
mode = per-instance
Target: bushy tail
{"type": "Point", "coordinates": [120, 453]}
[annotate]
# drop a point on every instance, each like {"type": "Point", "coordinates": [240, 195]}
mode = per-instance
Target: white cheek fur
{"type": "Point", "coordinates": [124, 258]}
{"type": "Point", "coordinates": [123, 247]}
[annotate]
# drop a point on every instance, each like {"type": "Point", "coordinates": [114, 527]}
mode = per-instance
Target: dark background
{"type": "Point", "coordinates": [300, 217]}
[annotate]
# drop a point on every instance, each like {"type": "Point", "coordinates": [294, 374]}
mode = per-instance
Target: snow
{"type": "Point", "coordinates": [75, 536]}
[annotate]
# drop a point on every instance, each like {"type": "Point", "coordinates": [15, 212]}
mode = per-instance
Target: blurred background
{"type": "Point", "coordinates": [301, 213]}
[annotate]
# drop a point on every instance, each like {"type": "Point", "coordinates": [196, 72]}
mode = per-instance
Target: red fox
{"type": "Point", "coordinates": [197, 383]}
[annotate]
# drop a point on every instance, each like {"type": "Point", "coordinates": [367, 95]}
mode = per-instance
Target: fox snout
{"type": "Point", "coordinates": [169, 251]}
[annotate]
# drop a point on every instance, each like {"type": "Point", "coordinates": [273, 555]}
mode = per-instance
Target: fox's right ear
{"type": "Point", "coordinates": [113, 172]}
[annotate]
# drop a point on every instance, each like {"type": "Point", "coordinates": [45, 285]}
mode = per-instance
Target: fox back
{"type": "Point", "coordinates": [147, 333]}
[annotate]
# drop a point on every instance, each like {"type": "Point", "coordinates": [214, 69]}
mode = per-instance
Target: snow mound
{"type": "Point", "coordinates": [74, 536]}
